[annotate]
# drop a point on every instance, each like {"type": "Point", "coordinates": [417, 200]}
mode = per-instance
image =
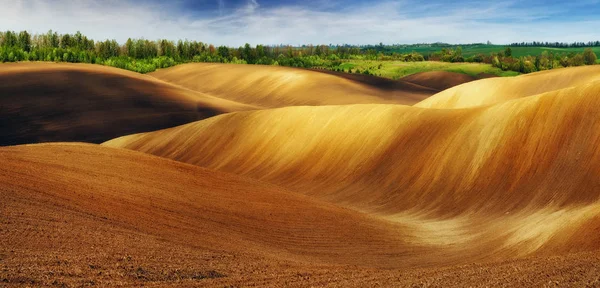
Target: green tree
{"type": "Point", "coordinates": [9, 39]}
{"type": "Point", "coordinates": [577, 60]}
{"type": "Point", "coordinates": [589, 57]}
{"type": "Point", "coordinates": [53, 40]}
{"type": "Point", "coordinates": [507, 52]}
{"type": "Point", "coordinates": [247, 54]}
{"type": "Point", "coordinates": [223, 52]}
{"type": "Point", "coordinates": [65, 41]}
{"type": "Point", "coordinates": [260, 51]}
{"type": "Point", "coordinates": [24, 41]}
{"type": "Point", "coordinates": [130, 48]}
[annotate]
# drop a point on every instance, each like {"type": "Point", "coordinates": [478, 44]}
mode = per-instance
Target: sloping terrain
{"type": "Point", "coordinates": [81, 215]}
{"type": "Point", "coordinates": [503, 192]}
{"type": "Point", "coordinates": [439, 80]}
{"type": "Point", "coordinates": [272, 86]}
{"type": "Point", "coordinates": [43, 102]}
{"type": "Point", "coordinates": [379, 82]}
{"type": "Point", "coordinates": [496, 90]}
{"type": "Point", "coordinates": [551, 139]}
{"type": "Point", "coordinates": [448, 170]}
{"type": "Point", "coordinates": [74, 197]}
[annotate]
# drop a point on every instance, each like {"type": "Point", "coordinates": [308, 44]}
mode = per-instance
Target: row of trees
{"type": "Point", "coordinates": [545, 61]}
{"type": "Point", "coordinates": [144, 55]}
{"type": "Point", "coordinates": [447, 55]}
{"type": "Point", "coordinates": [527, 64]}
{"type": "Point", "coordinates": [557, 44]}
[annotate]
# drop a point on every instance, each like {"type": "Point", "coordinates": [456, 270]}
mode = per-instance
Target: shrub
{"type": "Point", "coordinates": [589, 57]}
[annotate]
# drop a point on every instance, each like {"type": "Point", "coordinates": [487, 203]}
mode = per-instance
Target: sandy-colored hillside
{"type": "Point", "coordinates": [439, 80]}
{"type": "Point", "coordinates": [505, 191]}
{"type": "Point", "coordinates": [80, 214]}
{"type": "Point", "coordinates": [338, 151]}
{"type": "Point", "coordinates": [495, 90]}
{"type": "Point", "coordinates": [272, 86]}
{"type": "Point", "coordinates": [527, 181]}
{"type": "Point", "coordinates": [42, 102]}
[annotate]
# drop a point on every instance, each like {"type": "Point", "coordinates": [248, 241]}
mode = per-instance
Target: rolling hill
{"type": "Point", "coordinates": [503, 191]}
{"type": "Point", "coordinates": [494, 90]}
{"type": "Point", "coordinates": [272, 86]}
{"type": "Point", "coordinates": [439, 80]}
{"type": "Point", "coordinates": [449, 170]}
{"type": "Point", "coordinates": [45, 102]}
{"type": "Point", "coordinates": [82, 214]}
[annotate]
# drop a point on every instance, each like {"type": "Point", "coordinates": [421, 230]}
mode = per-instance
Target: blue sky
{"type": "Point", "coordinates": [235, 22]}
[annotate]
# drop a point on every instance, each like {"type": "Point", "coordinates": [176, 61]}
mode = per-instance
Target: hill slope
{"type": "Point", "coordinates": [42, 102]}
{"type": "Point", "coordinates": [494, 172]}
{"type": "Point", "coordinates": [495, 90]}
{"type": "Point", "coordinates": [547, 143]}
{"type": "Point", "coordinates": [92, 196]}
{"type": "Point", "coordinates": [439, 80]}
{"type": "Point", "coordinates": [272, 86]}
{"type": "Point", "coordinates": [100, 216]}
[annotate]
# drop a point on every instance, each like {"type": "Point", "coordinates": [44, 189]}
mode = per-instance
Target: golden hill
{"type": "Point", "coordinates": [505, 191]}
{"type": "Point", "coordinates": [44, 102]}
{"type": "Point", "coordinates": [272, 86]}
{"type": "Point", "coordinates": [524, 173]}
{"type": "Point", "coordinates": [495, 90]}
{"type": "Point", "coordinates": [81, 214]}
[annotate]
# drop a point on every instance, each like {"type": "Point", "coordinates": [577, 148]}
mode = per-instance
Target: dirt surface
{"type": "Point", "coordinates": [503, 192]}
{"type": "Point", "coordinates": [272, 86]}
{"type": "Point", "coordinates": [379, 82]}
{"type": "Point", "coordinates": [438, 80]}
{"type": "Point", "coordinates": [460, 181]}
{"type": "Point", "coordinates": [45, 102]}
{"type": "Point", "coordinates": [83, 215]}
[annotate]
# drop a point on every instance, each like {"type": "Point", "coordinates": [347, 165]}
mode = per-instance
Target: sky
{"type": "Point", "coordinates": [296, 22]}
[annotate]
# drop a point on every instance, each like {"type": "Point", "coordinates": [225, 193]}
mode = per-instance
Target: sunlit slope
{"type": "Point", "coordinates": [495, 90]}
{"type": "Point", "coordinates": [272, 86]}
{"type": "Point", "coordinates": [529, 153]}
{"type": "Point", "coordinates": [80, 214]}
{"type": "Point", "coordinates": [181, 204]}
{"type": "Point", "coordinates": [41, 102]}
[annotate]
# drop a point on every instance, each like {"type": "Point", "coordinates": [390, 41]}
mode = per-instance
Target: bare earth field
{"type": "Point", "coordinates": [439, 80]}
{"type": "Point", "coordinates": [272, 86]}
{"type": "Point", "coordinates": [45, 102]}
{"type": "Point", "coordinates": [102, 216]}
{"type": "Point", "coordinates": [493, 182]}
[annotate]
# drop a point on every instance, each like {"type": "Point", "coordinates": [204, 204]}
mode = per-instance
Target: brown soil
{"type": "Point", "coordinates": [271, 86]}
{"type": "Point", "coordinates": [448, 173]}
{"type": "Point", "coordinates": [504, 192]}
{"type": "Point", "coordinates": [439, 80]}
{"type": "Point", "coordinates": [45, 102]}
{"type": "Point", "coordinates": [84, 215]}
{"type": "Point", "coordinates": [380, 82]}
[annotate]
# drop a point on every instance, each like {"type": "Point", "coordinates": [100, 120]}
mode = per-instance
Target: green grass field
{"type": "Point", "coordinates": [397, 69]}
{"type": "Point", "coordinates": [469, 51]}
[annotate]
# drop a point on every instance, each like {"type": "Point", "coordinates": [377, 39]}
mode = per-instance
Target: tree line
{"type": "Point", "coordinates": [557, 44]}
{"type": "Point", "coordinates": [526, 64]}
{"type": "Point", "coordinates": [142, 55]}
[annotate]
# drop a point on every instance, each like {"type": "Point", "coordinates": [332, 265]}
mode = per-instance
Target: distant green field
{"type": "Point", "coordinates": [398, 69]}
{"type": "Point", "coordinates": [487, 49]}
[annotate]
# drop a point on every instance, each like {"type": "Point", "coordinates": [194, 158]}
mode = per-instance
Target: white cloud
{"type": "Point", "coordinates": [387, 22]}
